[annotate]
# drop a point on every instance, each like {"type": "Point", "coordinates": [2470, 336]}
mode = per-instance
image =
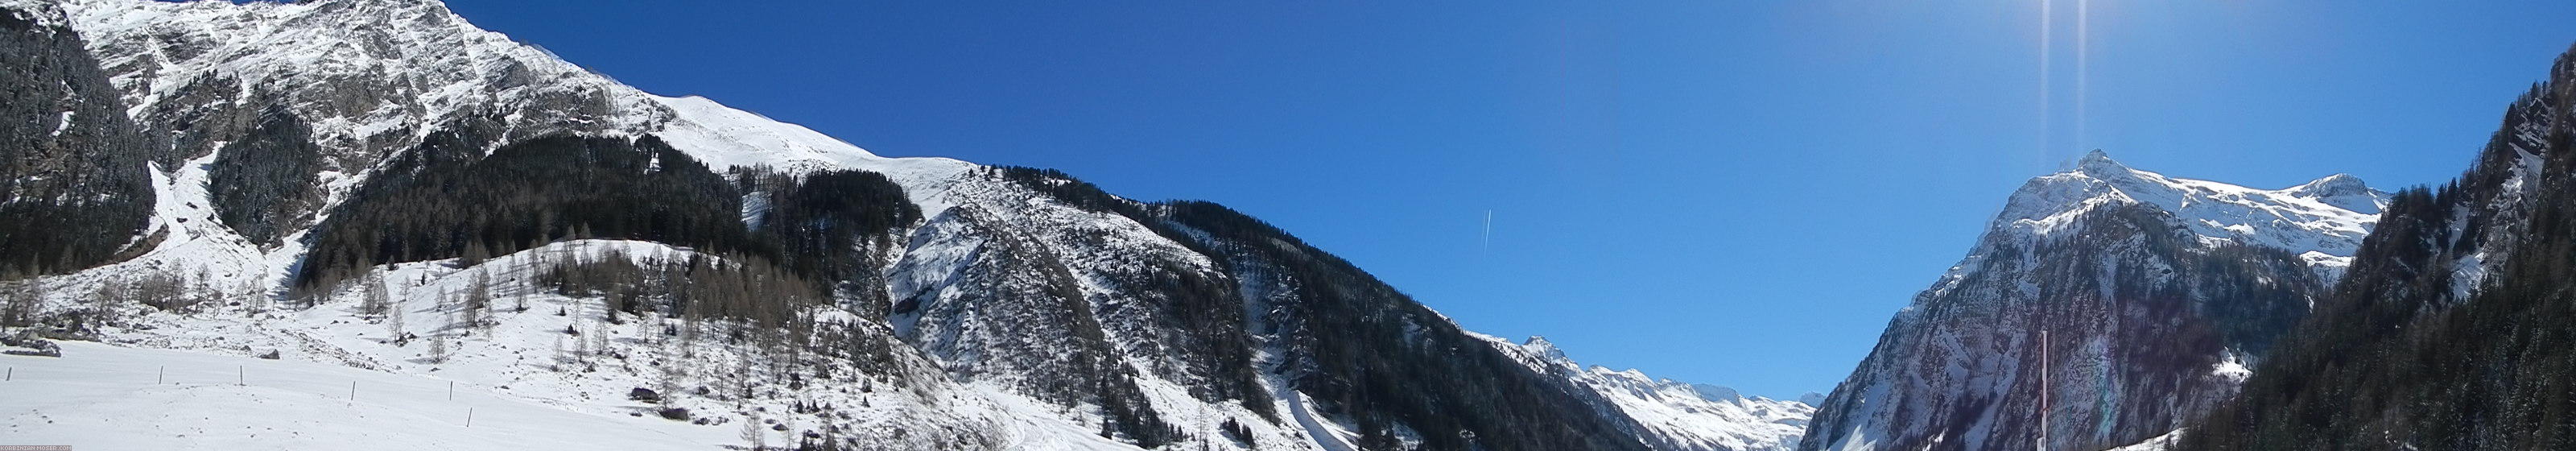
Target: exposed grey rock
{"type": "Point", "coordinates": [29, 344]}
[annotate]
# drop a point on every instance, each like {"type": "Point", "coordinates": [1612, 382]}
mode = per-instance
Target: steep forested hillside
{"type": "Point", "coordinates": [2456, 328]}
{"type": "Point", "coordinates": [74, 190]}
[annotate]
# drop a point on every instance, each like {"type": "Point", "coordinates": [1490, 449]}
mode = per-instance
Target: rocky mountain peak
{"type": "Point", "coordinates": [2333, 185]}
{"type": "Point", "coordinates": [1538, 345]}
{"type": "Point", "coordinates": [2109, 258]}
{"type": "Point", "coordinates": [2099, 164]}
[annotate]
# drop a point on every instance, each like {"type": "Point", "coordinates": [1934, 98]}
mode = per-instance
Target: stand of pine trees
{"type": "Point", "coordinates": [446, 199]}
{"type": "Point", "coordinates": [836, 226]}
{"type": "Point", "coordinates": [768, 296]}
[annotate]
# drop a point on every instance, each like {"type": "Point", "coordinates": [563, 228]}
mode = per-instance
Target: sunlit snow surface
{"type": "Point", "coordinates": [101, 396]}
{"type": "Point", "coordinates": [2159, 443]}
{"type": "Point", "coordinates": [2322, 220]}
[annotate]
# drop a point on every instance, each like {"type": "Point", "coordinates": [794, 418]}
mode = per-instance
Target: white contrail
{"type": "Point", "coordinates": [1488, 242]}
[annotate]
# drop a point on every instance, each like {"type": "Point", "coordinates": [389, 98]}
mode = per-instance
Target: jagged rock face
{"type": "Point", "coordinates": [1007, 310]}
{"type": "Point", "coordinates": [394, 70]}
{"type": "Point", "coordinates": [1074, 302]}
{"type": "Point", "coordinates": [74, 187]}
{"type": "Point", "coordinates": [2151, 292]}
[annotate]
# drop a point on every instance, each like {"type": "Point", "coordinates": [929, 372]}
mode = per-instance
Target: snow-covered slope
{"type": "Point", "coordinates": [536, 347]}
{"type": "Point", "coordinates": [2159, 443]}
{"type": "Point", "coordinates": [374, 76]}
{"type": "Point", "coordinates": [1023, 311]}
{"type": "Point", "coordinates": [2147, 295]}
{"type": "Point", "coordinates": [2322, 220]}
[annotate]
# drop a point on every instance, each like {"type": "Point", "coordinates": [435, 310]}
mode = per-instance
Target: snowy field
{"type": "Point", "coordinates": [104, 397]}
{"type": "Point", "coordinates": [526, 382]}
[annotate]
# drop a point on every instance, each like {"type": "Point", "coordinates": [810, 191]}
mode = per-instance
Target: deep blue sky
{"type": "Point", "coordinates": [1737, 193]}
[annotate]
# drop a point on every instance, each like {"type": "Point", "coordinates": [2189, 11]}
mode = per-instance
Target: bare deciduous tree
{"type": "Point", "coordinates": [438, 348]}
{"type": "Point", "coordinates": [752, 434]}
{"type": "Point", "coordinates": [376, 301]}
{"type": "Point", "coordinates": [24, 299]}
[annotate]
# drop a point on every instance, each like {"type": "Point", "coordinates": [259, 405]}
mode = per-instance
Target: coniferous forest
{"type": "Point", "coordinates": [448, 200]}
{"type": "Point", "coordinates": [445, 200]}
{"type": "Point", "coordinates": [262, 185]}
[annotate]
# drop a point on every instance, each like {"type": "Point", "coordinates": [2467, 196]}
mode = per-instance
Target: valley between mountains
{"type": "Point", "coordinates": [347, 224]}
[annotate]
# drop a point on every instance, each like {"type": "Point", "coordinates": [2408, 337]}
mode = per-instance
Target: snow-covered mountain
{"type": "Point", "coordinates": [2322, 221]}
{"type": "Point", "coordinates": [379, 184]}
{"type": "Point", "coordinates": [2146, 297]}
